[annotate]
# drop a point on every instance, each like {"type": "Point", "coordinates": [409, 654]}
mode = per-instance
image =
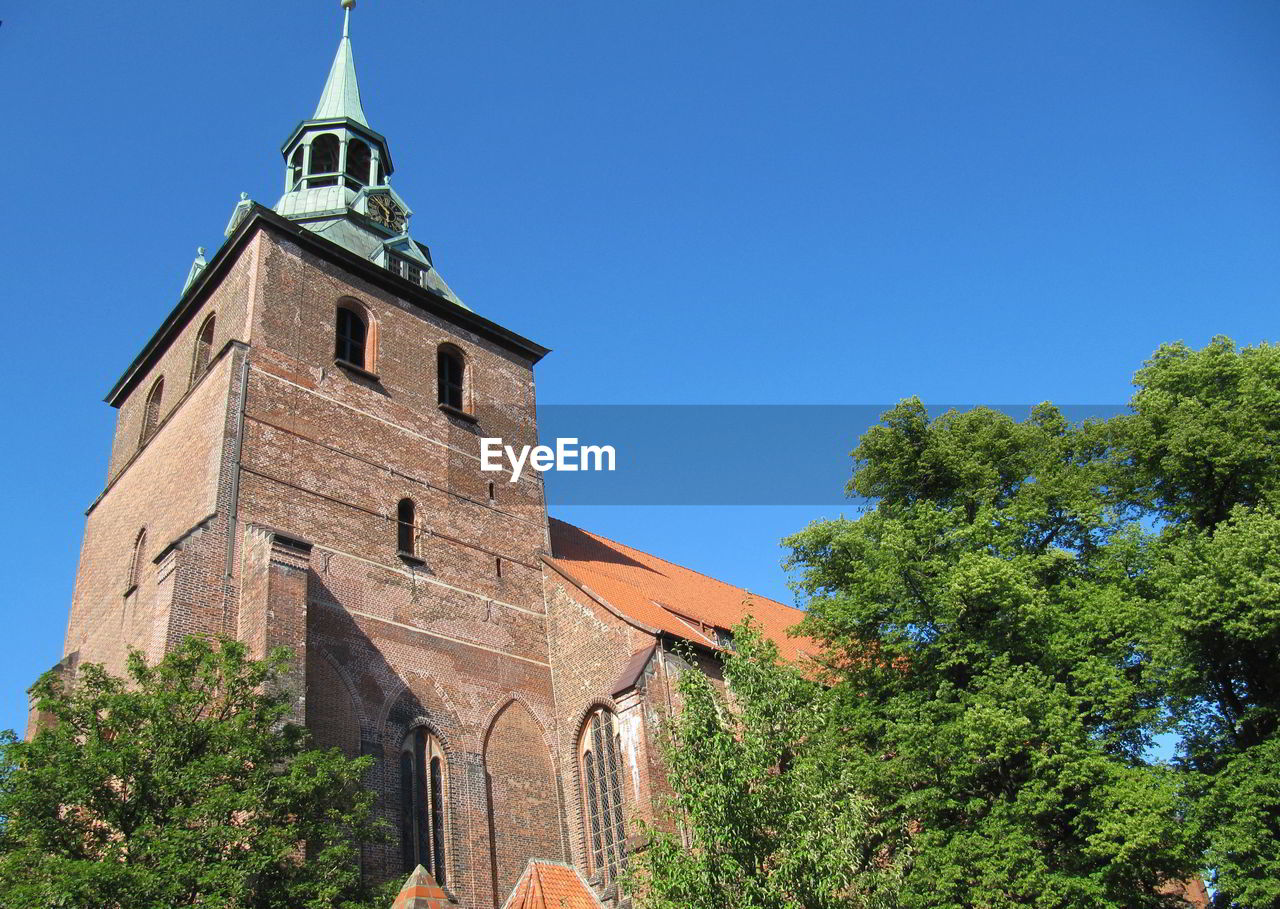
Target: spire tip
{"type": "Point", "coordinates": [347, 7]}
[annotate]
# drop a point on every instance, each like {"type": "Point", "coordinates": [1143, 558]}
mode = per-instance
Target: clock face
{"type": "Point", "coordinates": [383, 209]}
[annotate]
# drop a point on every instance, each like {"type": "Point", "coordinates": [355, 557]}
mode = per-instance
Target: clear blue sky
{"type": "Point", "coordinates": [711, 202]}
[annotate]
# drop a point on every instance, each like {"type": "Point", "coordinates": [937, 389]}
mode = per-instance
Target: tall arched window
{"type": "Point", "coordinates": [204, 350]}
{"type": "Point", "coordinates": [135, 561]}
{"type": "Point", "coordinates": [324, 161]}
{"type": "Point", "coordinates": [359, 158]}
{"type": "Point", "coordinates": [600, 753]}
{"type": "Point", "coordinates": [424, 798]}
{"type": "Point", "coordinates": [405, 528]}
{"type": "Point", "coordinates": [351, 337]}
{"type": "Point", "coordinates": [151, 411]}
{"type": "Point", "coordinates": [451, 374]}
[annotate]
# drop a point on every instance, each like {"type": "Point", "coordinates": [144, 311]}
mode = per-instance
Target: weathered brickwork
{"type": "Point", "coordinates": [270, 494]}
{"type": "Point", "coordinates": [520, 775]}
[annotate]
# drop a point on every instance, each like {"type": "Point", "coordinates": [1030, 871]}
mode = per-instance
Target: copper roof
{"type": "Point", "coordinates": [661, 596]}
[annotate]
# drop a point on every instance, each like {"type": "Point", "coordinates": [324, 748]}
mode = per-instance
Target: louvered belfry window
{"type": "Point", "coordinates": [423, 798]}
{"type": "Point", "coordinates": [601, 752]}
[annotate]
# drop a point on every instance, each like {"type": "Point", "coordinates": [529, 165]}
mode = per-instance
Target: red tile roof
{"type": "Point", "coordinates": [548, 885]}
{"type": "Point", "coordinates": [421, 891]}
{"type": "Point", "coordinates": [662, 596]}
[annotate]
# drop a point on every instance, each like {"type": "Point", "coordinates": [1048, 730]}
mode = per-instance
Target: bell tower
{"type": "Point", "coordinates": [338, 179]}
{"type": "Point", "coordinates": [296, 464]}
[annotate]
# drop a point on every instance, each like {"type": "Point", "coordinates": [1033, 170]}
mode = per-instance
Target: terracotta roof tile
{"type": "Point", "coordinates": [421, 891]}
{"type": "Point", "coordinates": [549, 885]}
{"type": "Point", "coordinates": [663, 596]}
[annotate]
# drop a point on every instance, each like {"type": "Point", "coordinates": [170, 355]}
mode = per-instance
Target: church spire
{"type": "Point", "coordinates": [341, 97]}
{"type": "Point", "coordinates": [338, 180]}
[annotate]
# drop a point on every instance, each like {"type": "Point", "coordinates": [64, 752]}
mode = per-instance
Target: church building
{"type": "Point", "coordinates": [296, 462]}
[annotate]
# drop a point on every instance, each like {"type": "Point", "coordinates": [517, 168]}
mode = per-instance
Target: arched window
{"type": "Point", "coordinates": [352, 335]}
{"type": "Point", "coordinates": [295, 167]}
{"type": "Point", "coordinates": [359, 159]}
{"type": "Point", "coordinates": [204, 350]}
{"type": "Point", "coordinates": [151, 412]}
{"type": "Point", "coordinates": [451, 372]}
{"type": "Point", "coordinates": [405, 528]}
{"type": "Point", "coordinates": [600, 754]}
{"type": "Point", "coordinates": [135, 561]}
{"type": "Point", "coordinates": [324, 161]}
{"type": "Point", "coordinates": [424, 798]}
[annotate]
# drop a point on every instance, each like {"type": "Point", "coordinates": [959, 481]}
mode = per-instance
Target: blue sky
{"type": "Point", "coordinates": [713, 202]}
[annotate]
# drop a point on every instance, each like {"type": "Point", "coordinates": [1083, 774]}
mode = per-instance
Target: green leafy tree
{"type": "Point", "coordinates": [1202, 445]}
{"type": "Point", "coordinates": [763, 815]}
{"type": "Point", "coordinates": [1022, 609]}
{"type": "Point", "coordinates": [991, 648]}
{"type": "Point", "coordinates": [183, 785]}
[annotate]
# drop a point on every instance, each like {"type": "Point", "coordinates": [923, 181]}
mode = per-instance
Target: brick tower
{"type": "Point", "coordinates": [296, 463]}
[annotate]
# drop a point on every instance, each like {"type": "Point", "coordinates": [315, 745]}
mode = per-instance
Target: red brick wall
{"type": "Point", "coordinates": [442, 642]}
{"type": "Point", "coordinates": [230, 302]}
{"type": "Point", "coordinates": [170, 488]}
{"type": "Point", "coordinates": [522, 796]}
{"type": "Point", "coordinates": [589, 647]}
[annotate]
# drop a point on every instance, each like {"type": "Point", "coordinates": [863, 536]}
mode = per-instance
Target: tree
{"type": "Point", "coordinates": [1201, 444]}
{"type": "Point", "coordinates": [182, 785]}
{"type": "Point", "coordinates": [991, 647]}
{"type": "Point", "coordinates": [1022, 610]}
{"type": "Point", "coordinates": [762, 815]}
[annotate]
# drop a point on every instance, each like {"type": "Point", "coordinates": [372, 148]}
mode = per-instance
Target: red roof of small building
{"type": "Point", "coordinates": [549, 885]}
{"type": "Point", "coordinates": [421, 891]}
{"type": "Point", "coordinates": [662, 596]}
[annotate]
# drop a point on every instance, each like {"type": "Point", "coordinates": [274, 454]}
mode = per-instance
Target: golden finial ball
{"type": "Point", "coordinates": [348, 4]}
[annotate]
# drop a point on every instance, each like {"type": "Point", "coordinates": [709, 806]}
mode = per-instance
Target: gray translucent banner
{"type": "Point", "coordinates": [710, 454]}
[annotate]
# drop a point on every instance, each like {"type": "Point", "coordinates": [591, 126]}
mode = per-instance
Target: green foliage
{"type": "Point", "coordinates": [1022, 610]}
{"type": "Point", "coordinates": [183, 785]}
{"type": "Point", "coordinates": [990, 644]}
{"type": "Point", "coordinates": [768, 818]}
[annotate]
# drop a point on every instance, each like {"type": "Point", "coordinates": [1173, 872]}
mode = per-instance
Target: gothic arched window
{"type": "Point", "coordinates": [151, 412]}
{"type": "Point", "coordinates": [204, 349]}
{"type": "Point", "coordinates": [424, 797]}
{"type": "Point", "coordinates": [600, 757]}
{"type": "Point", "coordinates": [324, 160]}
{"type": "Point", "coordinates": [405, 527]}
{"type": "Point", "coordinates": [351, 337]}
{"type": "Point", "coordinates": [451, 373]}
{"type": "Point", "coordinates": [359, 158]}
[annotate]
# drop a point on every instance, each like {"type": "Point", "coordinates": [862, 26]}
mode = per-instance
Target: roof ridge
{"type": "Point", "coordinates": [700, 574]}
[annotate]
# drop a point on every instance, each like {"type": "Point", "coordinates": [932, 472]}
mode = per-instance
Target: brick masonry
{"type": "Point", "coordinates": [269, 495]}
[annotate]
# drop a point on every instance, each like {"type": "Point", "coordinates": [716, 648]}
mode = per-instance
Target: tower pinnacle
{"type": "Point", "coordinates": [341, 97]}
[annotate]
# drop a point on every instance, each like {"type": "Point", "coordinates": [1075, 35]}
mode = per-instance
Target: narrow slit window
{"type": "Point", "coordinates": [493, 493]}
{"type": "Point", "coordinates": [405, 527]}
{"type": "Point", "coordinates": [497, 564]}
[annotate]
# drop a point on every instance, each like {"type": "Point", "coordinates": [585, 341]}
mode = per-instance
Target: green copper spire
{"type": "Point", "coordinates": [341, 98]}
